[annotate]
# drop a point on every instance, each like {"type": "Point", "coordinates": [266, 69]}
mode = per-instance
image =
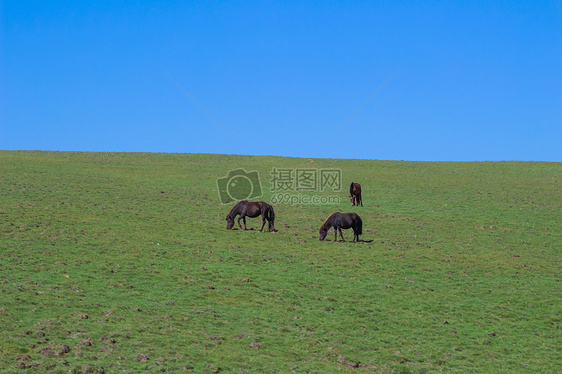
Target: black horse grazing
{"type": "Point", "coordinates": [355, 194]}
{"type": "Point", "coordinates": [342, 221]}
{"type": "Point", "coordinates": [251, 209]}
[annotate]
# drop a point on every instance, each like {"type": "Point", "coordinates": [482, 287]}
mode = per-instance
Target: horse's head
{"type": "Point", "coordinates": [352, 200]}
{"type": "Point", "coordinates": [323, 233]}
{"type": "Point", "coordinates": [229, 222]}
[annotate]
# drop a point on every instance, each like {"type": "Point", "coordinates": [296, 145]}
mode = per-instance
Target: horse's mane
{"type": "Point", "coordinates": [234, 207]}
{"type": "Point", "coordinates": [324, 224]}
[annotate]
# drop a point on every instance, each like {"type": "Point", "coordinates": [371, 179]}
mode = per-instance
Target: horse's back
{"type": "Point", "coordinates": [344, 220]}
{"type": "Point", "coordinates": [354, 218]}
{"type": "Point", "coordinates": [240, 205]}
{"type": "Point", "coordinates": [265, 205]}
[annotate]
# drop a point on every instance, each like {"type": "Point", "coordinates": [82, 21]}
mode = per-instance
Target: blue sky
{"type": "Point", "coordinates": [468, 81]}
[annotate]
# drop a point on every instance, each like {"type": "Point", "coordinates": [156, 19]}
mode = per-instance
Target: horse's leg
{"type": "Point", "coordinates": [245, 228]}
{"type": "Point", "coordinates": [262, 222]}
{"type": "Point", "coordinates": [234, 220]}
{"type": "Point", "coordinates": [342, 239]}
{"type": "Point", "coordinates": [244, 218]}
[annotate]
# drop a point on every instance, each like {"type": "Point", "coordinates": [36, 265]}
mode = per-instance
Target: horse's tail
{"type": "Point", "coordinates": [271, 217]}
{"type": "Point", "coordinates": [359, 226]}
{"type": "Point", "coordinates": [351, 189]}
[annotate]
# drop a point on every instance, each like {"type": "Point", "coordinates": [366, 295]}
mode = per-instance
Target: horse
{"type": "Point", "coordinates": [342, 221]}
{"type": "Point", "coordinates": [355, 194]}
{"type": "Point", "coordinates": [251, 209]}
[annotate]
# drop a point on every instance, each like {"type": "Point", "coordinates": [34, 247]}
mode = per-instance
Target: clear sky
{"type": "Point", "coordinates": [456, 80]}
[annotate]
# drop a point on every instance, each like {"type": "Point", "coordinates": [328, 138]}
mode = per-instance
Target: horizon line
{"type": "Point", "coordinates": [272, 155]}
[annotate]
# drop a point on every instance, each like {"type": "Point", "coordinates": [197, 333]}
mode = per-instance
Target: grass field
{"type": "Point", "coordinates": [121, 262]}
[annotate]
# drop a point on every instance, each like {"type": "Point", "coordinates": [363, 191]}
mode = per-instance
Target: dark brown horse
{"type": "Point", "coordinates": [355, 194]}
{"type": "Point", "coordinates": [251, 209]}
{"type": "Point", "coordinates": [342, 221]}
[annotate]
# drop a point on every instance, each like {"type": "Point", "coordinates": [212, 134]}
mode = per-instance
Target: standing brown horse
{"type": "Point", "coordinates": [355, 194]}
{"type": "Point", "coordinates": [251, 209]}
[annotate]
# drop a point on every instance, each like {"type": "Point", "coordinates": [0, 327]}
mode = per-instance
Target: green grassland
{"type": "Point", "coordinates": [121, 262]}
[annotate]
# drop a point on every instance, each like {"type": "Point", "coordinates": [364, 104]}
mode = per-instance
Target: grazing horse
{"type": "Point", "coordinates": [342, 221]}
{"type": "Point", "coordinates": [251, 209]}
{"type": "Point", "coordinates": [355, 194]}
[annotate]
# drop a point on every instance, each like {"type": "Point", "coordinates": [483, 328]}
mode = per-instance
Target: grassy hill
{"type": "Point", "coordinates": [117, 262]}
